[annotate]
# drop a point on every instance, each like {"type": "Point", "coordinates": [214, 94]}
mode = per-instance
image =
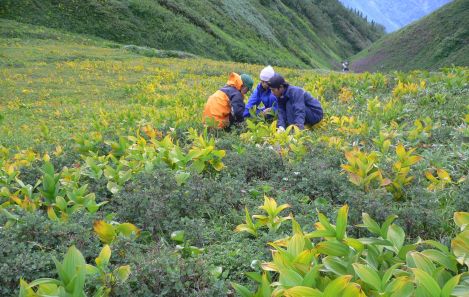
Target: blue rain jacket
{"type": "Point", "coordinates": [258, 96]}
{"type": "Point", "coordinates": [298, 107]}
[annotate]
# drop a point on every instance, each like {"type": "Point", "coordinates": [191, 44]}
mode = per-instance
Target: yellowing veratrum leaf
{"type": "Point", "coordinates": [332, 248]}
{"type": "Point", "coordinates": [104, 256]}
{"type": "Point", "coordinates": [341, 222]}
{"type": "Point", "coordinates": [127, 229]}
{"type": "Point", "coordinates": [443, 175]}
{"type": "Point", "coordinates": [123, 273]}
{"type": "Point", "coordinates": [400, 151]}
{"type": "Point", "coordinates": [269, 266]}
{"type": "Point", "coordinates": [461, 219]}
{"type": "Point", "coordinates": [218, 165]}
{"type": "Point", "coordinates": [51, 214]}
{"type": "Point", "coordinates": [335, 287]}
{"type": "Point", "coordinates": [300, 291]}
{"type": "Point", "coordinates": [105, 231]}
{"type": "Point", "coordinates": [430, 176]}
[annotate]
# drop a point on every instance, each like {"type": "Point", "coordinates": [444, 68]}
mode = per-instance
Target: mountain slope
{"type": "Point", "coordinates": [313, 33]}
{"type": "Point", "coordinates": [438, 40]}
{"type": "Point", "coordinates": [397, 13]}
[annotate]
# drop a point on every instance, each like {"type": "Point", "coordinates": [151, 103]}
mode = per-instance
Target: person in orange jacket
{"type": "Point", "coordinates": [226, 106]}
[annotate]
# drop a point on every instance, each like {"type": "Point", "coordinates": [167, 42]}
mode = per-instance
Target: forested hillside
{"type": "Point", "coordinates": [313, 33]}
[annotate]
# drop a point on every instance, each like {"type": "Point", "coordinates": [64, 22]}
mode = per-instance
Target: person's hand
{"type": "Point", "coordinates": [266, 111]}
{"type": "Point", "coordinates": [280, 129]}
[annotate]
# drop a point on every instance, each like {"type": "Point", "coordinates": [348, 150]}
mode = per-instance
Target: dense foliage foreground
{"type": "Point", "coordinates": [110, 185]}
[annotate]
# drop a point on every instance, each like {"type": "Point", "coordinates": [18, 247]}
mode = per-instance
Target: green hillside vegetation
{"type": "Point", "coordinates": [438, 40]}
{"type": "Point", "coordinates": [313, 33]}
{"type": "Point", "coordinates": [111, 186]}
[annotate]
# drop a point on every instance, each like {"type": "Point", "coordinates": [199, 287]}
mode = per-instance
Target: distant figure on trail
{"type": "Point", "coordinates": [295, 105]}
{"type": "Point", "coordinates": [262, 94]}
{"type": "Point", "coordinates": [226, 106]}
{"type": "Point", "coordinates": [345, 66]}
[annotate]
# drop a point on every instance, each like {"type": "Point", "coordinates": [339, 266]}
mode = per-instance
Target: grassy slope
{"type": "Point", "coordinates": [438, 40]}
{"type": "Point", "coordinates": [47, 73]}
{"type": "Point", "coordinates": [56, 85]}
{"type": "Point", "coordinates": [285, 32]}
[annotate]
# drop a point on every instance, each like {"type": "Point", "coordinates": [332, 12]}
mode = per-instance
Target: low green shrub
{"type": "Point", "coordinates": [157, 270]}
{"type": "Point", "coordinates": [26, 248]}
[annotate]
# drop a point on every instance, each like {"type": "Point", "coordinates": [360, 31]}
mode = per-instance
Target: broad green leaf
{"type": "Point", "coordinates": [336, 265]}
{"type": "Point", "coordinates": [246, 228]}
{"type": "Point", "coordinates": [400, 287]}
{"type": "Point", "coordinates": [336, 287]}
{"type": "Point", "coordinates": [256, 276]}
{"type": "Point", "coordinates": [113, 187]}
{"type": "Point", "coordinates": [290, 278]}
{"type": "Point", "coordinates": [341, 223]}
{"type": "Point", "coordinates": [47, 289]}
{"type": "Point", "coordinates": [448, 261]}
{"type": "Point", "coordinates": [91, 270]}
{"type": "Point", "coordinates": [353, 290]}
{"type": "Point", "coordinates": [265, 289]}
{"type": "Point", "coordinates": [386, 224]}
{"type": "Point", "coordinates": [332, 248]}
{"type": "Point", "coordinates": [437, 245]}
{"type": "Point", "coordinates": [40, 281]}
{"type": "Point", "coordinates": [320, 233]}
{"type": "Point", "coordinates": [305, 257]}
{"type": "Point", "coordinates": [426, 281]}
{"type": "Point", "coordinates": [242, 290]}
{"type": "Point", "coordinates": [196, 251]}
{"type": "Point", "coordinates": [460, 247]}
{"type": "Point", "coordinates": [60, 202]}
{"type": "Point", "coordinates": [181, 177]}
{"type": "Point", "coordinates": [450, 285]}
{"type": "Point", "coordinates": [216, 271]}
{"type": "Point", "coordinates": [296, 245]}
{"type": "Point", "coordinates": [74, 266]}
{"type": "Point", "coordinates": [296, 228]}
{"type": "Point", "coordinates": [369, 275]}
{"type": "Point", "coordinates": [354, 243]}
{"type": "Point", "coordinates": [406, 249]}
{"type": "Point", "coordinates": [300, 291]}
{"type": "Point", "coordinates": [375, 241]}
{"type": "Point", "coordinates": [396, 235]}
{"type": "Point", "coordinates": [370, 224]}
{"type": "Point", "coordinates": [127, 229]}
{"type": "Point", "coordinates": [325, 223]}
{"type": "Point", "coordinates": [423, 263]}
{"type": "Point", "coordinates": [310, 278]}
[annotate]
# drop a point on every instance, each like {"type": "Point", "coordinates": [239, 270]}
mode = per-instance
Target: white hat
{"type": "Point", "coordinates": [267, 73]}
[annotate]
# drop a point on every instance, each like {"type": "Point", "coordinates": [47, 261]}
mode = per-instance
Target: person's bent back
{"type": "Point", "coordinates": [226, 106]}
{"type": "Point", "coordinates": [295, 105]}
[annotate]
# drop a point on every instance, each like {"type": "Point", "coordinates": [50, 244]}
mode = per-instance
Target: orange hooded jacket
{"type": "Point", "coordinates": [219, 105]}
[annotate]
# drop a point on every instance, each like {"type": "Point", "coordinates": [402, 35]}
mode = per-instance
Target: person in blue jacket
{"type": "Point", "coordinates": [295, 105]}
{"type": "Point", "coordinates": [262, 94]}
